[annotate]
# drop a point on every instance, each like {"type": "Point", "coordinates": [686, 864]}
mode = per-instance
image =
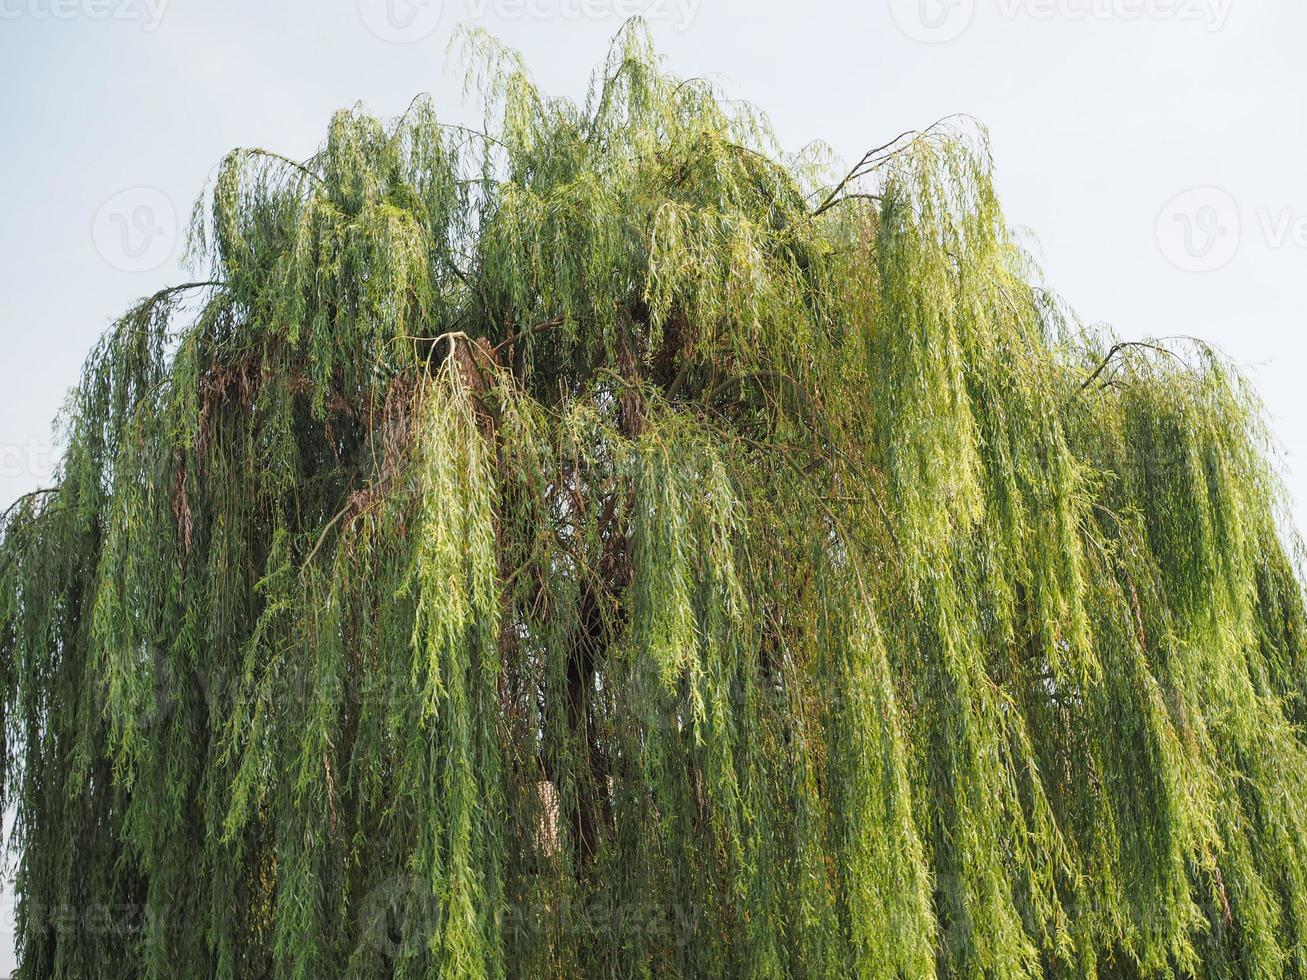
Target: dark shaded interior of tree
{"type": "Point", "coordinates": [603, 544]}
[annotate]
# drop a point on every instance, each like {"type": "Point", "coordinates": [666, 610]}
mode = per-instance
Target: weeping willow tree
{"type": "Point", "coordinates": [601, 544]}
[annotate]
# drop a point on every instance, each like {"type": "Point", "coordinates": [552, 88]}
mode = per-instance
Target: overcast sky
{"type": "Point", "coordinates": [1153, 148]}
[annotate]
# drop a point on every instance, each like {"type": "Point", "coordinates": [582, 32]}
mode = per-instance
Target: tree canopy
{"type": "Point", "coordinates": [602, 543]}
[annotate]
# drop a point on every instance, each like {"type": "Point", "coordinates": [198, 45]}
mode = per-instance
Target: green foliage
{"type": "Point", "coordinates": [604, 545]}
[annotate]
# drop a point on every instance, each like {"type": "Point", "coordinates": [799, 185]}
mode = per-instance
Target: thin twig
{"type": "Point", "coordinates": [846, 197]}
{"type": "Point", "coordinates": [25, 497]}
{"type": "Point", "coordinates": [260, 151]}
{"type": "Point", "coordinates": [869, 158]}
{"type": "Point", "coordinates": [538, 328]}
{"type": "Point", "coordinates": [1116, 349]}
{"type": "Point", "coordinates": [168, 290]}
{"type": "Point", "coordinates": [326, 529]}
{"type": "Point", "coordinates": [679, 380]}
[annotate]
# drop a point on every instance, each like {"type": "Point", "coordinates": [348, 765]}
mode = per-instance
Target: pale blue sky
{"type": "Point", "coordinates": [1102, 113]}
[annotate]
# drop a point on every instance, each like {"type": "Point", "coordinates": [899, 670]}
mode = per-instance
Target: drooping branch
{"type": "Point", "coordinates": [1123, 346]}
{"type": "Point", "coordinates": [542, 327]}
{"type": "Point", "coordinates": [20, 501]}
{"type": "Point", "coordinates": [278, 158]}
{"type": "Point", "coordinates": [872, 161]}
